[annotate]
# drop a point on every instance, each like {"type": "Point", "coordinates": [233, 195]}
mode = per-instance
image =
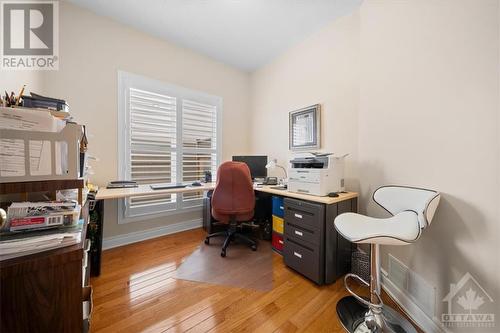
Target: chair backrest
{"type": "Point", "coordinates": [396, 199]}
{"type": "Point", "coordinates": [233, 194]}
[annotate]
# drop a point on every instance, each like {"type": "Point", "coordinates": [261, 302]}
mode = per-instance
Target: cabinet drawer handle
{"type": "Point", "coordinates": [298, 216]}
{"type": "Point", "coordinates": [297, 254]}
{"type": "Point", "coordinates": [299, 233]}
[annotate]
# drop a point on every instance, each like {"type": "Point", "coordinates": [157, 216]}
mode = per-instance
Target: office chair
{"type": "Point", "coordinates": [412, 210]}
{"type": "Point", "coordinates": [233, 202]}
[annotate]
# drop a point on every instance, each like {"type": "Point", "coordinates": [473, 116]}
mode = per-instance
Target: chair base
{"type": "Point", "coordinates": [231, 234]}
{"type": "Point", "coordinates": [352, 317]}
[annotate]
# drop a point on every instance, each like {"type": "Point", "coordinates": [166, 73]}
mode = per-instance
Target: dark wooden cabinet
{"type": "Point", "coordinates": [312, 245]}
{"type": "Point", "coordinates": [42, 292]}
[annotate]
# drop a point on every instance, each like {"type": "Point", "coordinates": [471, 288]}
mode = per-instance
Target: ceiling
{"type": "Point", "coordinates": [246, 34]}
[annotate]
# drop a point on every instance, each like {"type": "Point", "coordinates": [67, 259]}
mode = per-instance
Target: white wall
{"type": "Point", "coordinates": [428, 116]}
{"type": "Point", "coordinates": [411, 89]}
{"type": "Point", "coordinates": [323, 69]}
{"type": "Point", "coordinates": [14, 81]}
{"type": "Point", "coordinates": [93, 48]}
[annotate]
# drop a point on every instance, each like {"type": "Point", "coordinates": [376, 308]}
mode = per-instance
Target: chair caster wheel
{"type": "Point", "coordinates": [207, 241]}
{"type": "Point", "coordinates": [254, 248]}
{"type": "Point", "coordinates": [223, 254]}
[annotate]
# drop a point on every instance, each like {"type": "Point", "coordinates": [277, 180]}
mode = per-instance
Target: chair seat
{"type": "Point", "coordinates": [400, 229]}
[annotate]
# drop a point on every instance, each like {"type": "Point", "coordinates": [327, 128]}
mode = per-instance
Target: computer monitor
{"type": "Point", "coordinates": [256, 164]}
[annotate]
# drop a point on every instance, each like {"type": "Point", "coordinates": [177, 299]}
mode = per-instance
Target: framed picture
{"type": "Point", "coordinates": [304, 128]}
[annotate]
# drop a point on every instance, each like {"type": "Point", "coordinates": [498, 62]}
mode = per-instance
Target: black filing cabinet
{"type": "Point", "coordinates": [312, 246]}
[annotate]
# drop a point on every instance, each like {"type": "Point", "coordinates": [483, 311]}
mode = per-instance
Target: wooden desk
{"type": "Point", "coordinates": [313, 198]}
{"type": "Point", "coordinates": [329, 254]}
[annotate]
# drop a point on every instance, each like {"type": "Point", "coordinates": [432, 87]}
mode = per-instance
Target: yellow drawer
{"type": "Point", "coordinates": [278, 224]}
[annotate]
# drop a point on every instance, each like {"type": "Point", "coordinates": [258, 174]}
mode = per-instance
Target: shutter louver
{"type": "Point", "coordinates": [153, 130]}
{"type": "Point", "coordinates": [199, 142]}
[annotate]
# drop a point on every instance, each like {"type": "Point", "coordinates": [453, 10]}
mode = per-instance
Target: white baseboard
{"type": "Point", "coordinates": [426, 323]}
{"type": "Point", "coordinates": [133, 237]}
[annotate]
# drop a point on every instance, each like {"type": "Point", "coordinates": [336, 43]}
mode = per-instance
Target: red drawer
{"type": "Point", "coordinates": [277, 241]}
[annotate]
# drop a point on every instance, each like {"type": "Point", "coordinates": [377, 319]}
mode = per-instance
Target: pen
{"type": "Point", "coordinates": [20, 94]}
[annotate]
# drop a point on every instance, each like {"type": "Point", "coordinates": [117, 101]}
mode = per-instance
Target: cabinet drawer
{"type": "Point", "coordinates": [277, 242]}
{"type": "Point", "coordinates": [302, 258]}
{"type": "Point", "coordinates": [278, 206]}
{"type": "Point", "coordinates": [301, 213]}
{"type": "Point", "coordinates": [278, 224]}
{"type": "Point", "coordinates": [311, 235]}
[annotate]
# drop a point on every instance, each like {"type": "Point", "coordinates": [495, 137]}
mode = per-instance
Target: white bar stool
{"type": "Point", "coordinates": [412, 210]}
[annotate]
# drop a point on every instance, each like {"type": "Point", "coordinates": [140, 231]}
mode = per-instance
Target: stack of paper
{"type": "Point", "coordinates": [17, 248]}
{"type": "Point", "coordinates": [21, 244]}
{"type": "Point", "coordinates": [12, 151]}
{"type": "Point", "coordinates": [29, 120]}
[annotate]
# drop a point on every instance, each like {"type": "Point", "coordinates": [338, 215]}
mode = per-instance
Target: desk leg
{"type": "Point", "coordinates": [207, 211]}
{"type": "Point", "coordinates": [95, 235]}
{"type": "Point", "coordinates": [338, 250]}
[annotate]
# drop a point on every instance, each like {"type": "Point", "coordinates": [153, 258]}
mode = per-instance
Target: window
{"type": "Point", "coordinates": [167, 134]}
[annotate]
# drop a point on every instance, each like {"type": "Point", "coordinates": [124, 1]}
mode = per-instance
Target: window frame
{"type": "Point", "coordinates": [128, 80]}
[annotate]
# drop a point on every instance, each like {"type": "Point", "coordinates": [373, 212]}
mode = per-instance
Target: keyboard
{"type": "Point", "coordinates": [167, 186]}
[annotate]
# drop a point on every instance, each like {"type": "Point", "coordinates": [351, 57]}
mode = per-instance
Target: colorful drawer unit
{"type": "Point", "coordinates": [277, 242]}
{"type": "Point", "coordinates": [278, 225]}
{"type": "Point", "coordinates": [278, 206]}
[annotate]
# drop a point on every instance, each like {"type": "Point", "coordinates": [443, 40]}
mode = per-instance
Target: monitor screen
{"type": "Point", "coordinates": [256, 164]}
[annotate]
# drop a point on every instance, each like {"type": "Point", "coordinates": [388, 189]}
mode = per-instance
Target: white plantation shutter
{"type": "Point", "coordinates": [153, 142]}
{"type": "Point", "coordinates": [168, 134]}
{"type": "Point", "coordinates": [199, 144]}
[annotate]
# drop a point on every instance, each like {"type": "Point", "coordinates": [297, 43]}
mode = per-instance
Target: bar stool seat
{"type": "Point", "coordinates": [400, 229]}
{"type": "Point", "coordinates": [412, 211]}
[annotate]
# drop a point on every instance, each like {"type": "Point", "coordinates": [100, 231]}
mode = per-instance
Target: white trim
{"type": "Point", "coordinates": [133, 237]}
{"type": "Point", "coordinates": [426, 323]}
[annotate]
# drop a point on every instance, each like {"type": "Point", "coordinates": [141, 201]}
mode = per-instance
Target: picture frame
{"type": "Point", "coordinates": [305, 128]}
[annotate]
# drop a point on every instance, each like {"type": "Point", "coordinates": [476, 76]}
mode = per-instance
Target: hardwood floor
{"type": "Point", "coordinates": [136, 292]}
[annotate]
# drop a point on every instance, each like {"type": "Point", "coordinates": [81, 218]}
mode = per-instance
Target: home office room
{"type": "Point", "coordinates": [250, 166]}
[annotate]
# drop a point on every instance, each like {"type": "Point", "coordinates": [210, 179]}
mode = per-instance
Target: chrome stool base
{"type": "Point", "coordinates": [352, 316]}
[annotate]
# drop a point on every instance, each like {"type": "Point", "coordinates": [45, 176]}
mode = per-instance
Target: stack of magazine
{"type": "Point", "coordinates": [39, 226]}
{"type": "Point", "coordinates": [36, 215]}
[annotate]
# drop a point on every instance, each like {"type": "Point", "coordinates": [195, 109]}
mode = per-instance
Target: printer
{"type": "Point", "coordinates": [317, 174]}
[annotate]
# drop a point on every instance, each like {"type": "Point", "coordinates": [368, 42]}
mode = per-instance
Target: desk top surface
{"type": "Point", "coordinates": [142, 190]}
{"type": "Point", "coordinates": [324, 200]}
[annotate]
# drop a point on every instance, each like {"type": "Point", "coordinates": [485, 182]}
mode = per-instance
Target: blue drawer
{"type": "Point", "coordinates": [278, 207]}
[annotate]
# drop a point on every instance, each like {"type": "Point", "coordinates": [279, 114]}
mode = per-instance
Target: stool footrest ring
{"type": "Point", "coordinates": [359, 298]}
